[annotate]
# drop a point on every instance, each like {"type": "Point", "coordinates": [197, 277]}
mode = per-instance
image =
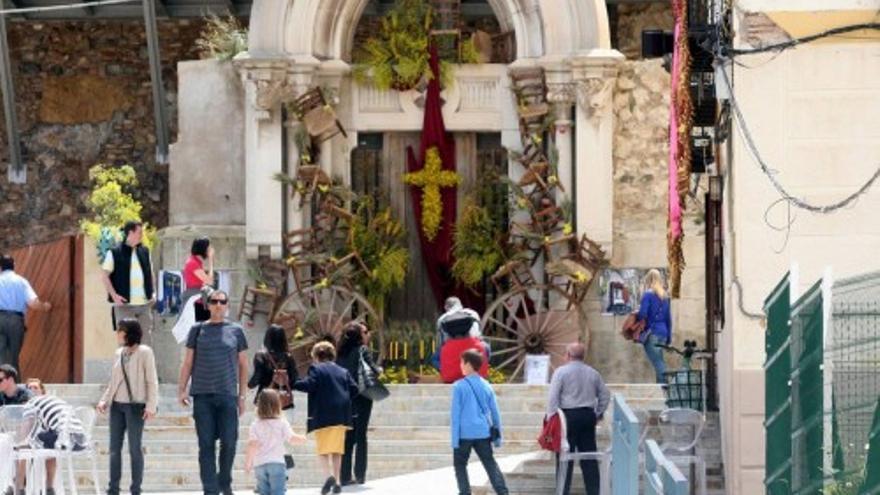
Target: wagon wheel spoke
{"type": "Point", "coordinates": [516, 371]}
{"type": "Point", "coordinates": [555, 325]}
{"type": "Point", "coordinates": [500, 339]}
{"type": "Point", "coordinates": [507, 351]}
{"type": "Point", "coordinates": [344, 312]}
{"type": "Point", "coordinates": [526, 319]}
{"type": "Point", "coordinates": [509, 360]}
{"type": "Point", "coordinates": [503, 325]}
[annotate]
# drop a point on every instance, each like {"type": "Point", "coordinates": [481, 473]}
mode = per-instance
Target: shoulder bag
{"type": "Point", "coordinates": [494, 432]}
{"type": "Point", "coordinates": [368, 384]}
{"type": "Point", "coordinates": [281, 382]}
{"type": "Point", "coordinates": [551, 434]}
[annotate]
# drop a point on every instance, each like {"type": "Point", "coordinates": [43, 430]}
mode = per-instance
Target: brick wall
{"type": "Point", "coordinates": [83, 97]}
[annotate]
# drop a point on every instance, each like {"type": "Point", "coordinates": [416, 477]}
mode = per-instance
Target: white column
{"type": "Point", "coordinates": [266, 87]}
{"type": "Point", "coordinates": [595, 73]}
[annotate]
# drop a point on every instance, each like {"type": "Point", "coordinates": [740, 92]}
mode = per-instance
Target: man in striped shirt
{"type": "Point", "coordinates": [217, 363]}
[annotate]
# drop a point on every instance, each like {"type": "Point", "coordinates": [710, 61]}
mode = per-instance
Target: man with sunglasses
{"type": "Point", "coordinates": [217, 363]}
{"type": "Point", "coordinates": [11, 393]}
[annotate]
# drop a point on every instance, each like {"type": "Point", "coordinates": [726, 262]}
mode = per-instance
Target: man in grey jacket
{"type": "Point", "coordinates": [579, 391]}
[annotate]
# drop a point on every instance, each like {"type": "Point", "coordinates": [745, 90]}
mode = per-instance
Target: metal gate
{"type": "Point", "coordinates": [777, 398]}
{"type": "Point", "coordinates": [53, 344]}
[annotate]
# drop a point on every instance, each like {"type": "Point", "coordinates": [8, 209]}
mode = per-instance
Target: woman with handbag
{"type": "Point", "coordinates": [655, 311]}
{"type": "Point", "coordinates": [198, 271]}
{"type": "Point", "coordinates": [132, 398]}
{"type": "Point", "coordinates": [330, 388]}
{"type": "Point", "coordinates": [274, 367]}
{"type": "Point", "coordinates": [354, 355]}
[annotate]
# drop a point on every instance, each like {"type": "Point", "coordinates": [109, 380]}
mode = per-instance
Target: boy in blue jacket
{"type": "Point", "coordinates": [476, 424]}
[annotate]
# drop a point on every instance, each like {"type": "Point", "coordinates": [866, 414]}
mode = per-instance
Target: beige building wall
{"type": "Point", "coordinates": [814, 112]}
{"type": "Point", "coordinates": [99, 340]}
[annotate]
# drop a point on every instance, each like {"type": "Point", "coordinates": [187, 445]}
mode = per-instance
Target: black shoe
{"type": "Point", "coordinates": [328, 485]}
{"type": "Point", "coordinates": [337, 489]}
{"type": "Point", "coordinates": [346, 482]}
{"type": "Point", "coordinates": [360, 481]}
{"type": "Point", "coordinates": [51, 491]}
{"type": "Point", "coordinates": [226, 491]}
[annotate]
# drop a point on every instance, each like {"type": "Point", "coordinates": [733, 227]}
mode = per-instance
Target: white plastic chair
{"type": "Point", "coordinates": [20, 429]}
{"type": "Point", "coordinates": [87, 416]}
{"type": "Point", "coordinates": [679, 450]}
{"type": "Point", "coordinates": [566, 456]}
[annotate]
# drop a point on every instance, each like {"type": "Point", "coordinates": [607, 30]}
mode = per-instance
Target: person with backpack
{"type": "Point", "coordinates": [655, 311]}
{"type": "Point", "coordinates": [274, 367]}
{"type": "Point", "coordinates": [132, 398]}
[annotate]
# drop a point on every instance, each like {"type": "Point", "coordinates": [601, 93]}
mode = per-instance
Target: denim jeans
{"type": "Point", "coordinates": [483, 448]}
{"type": "Point", "coordinates": [216, 418]}
{"type": "Point", "coordinates": [128, 417]}
{"type": "Point", "coordinates": [356, 441]}
{"type": "Point", "coordinates": [655, 356]}
{"type": "Point", "coordinates": [271, 479]}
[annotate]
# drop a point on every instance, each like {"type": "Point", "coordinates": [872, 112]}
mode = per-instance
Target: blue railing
{"type": "Point", "coordinates": [662, 477]}
{"type": "Point", "coordinates": [625, 449]}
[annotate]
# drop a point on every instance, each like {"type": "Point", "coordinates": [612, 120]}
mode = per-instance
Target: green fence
{"type": "Point", "coordinates": [822, 378]}
{"type": "Point", "coordinates": [777, 399]}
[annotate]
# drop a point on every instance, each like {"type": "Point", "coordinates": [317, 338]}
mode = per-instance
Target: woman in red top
{"type": "Point", "coordinates": [195, 276]}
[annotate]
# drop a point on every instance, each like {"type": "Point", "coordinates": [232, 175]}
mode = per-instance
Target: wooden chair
{"type": "Point", "coordinates": [318, 117]}
{"type": "Point", "coordinates": [446, 33]}
{"type": "Point", "coordinates": [517, 272]}
{"type": "Point", "coordinates": [530, 89]}
{"type": "Point", "coordinates": [257, 301]}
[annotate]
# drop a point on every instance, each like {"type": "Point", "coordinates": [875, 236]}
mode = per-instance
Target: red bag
{"type": "Point", "coordinates": [632, 328]}
{"type": "Point", "coordinates": [551, 434]}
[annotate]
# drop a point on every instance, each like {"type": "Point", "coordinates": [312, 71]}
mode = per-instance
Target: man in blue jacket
{"type": "Point", "coordinates": [476, 424]}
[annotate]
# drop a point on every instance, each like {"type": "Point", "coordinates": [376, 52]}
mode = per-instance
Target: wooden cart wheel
{"type": "Point", "coordinates": [320, 312]}
{"type": "Point", "coordinates": [537, 319]}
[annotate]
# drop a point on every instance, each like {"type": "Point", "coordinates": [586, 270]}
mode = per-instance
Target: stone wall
{"type": "Point", "coordinates": [641, 110]}
{"type": "Point", "coordinates": [83, 97]}
{"type": "Point", "coordinates": [633, 18]}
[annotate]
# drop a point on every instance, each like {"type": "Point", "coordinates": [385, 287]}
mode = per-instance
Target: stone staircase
{"type": "Point", "coordinates": [408, 432]}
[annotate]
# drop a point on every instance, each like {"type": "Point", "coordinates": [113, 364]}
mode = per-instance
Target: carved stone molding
{"type": "Point", "coordinates": [562, 93]}
{"type": "Point", "coordinates": [594, 95]}
{"type": "Point", "coordinates": [269, 93]}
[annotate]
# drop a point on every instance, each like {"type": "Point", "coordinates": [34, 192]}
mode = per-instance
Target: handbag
{"type": "Point", "coordinates": [281, 383]}
{"type": "Point", "coordinates": [632, 327]}
{"type": "Point", "coordinates": [551, 434]}
{"type": "Point", "coordinates": [368, 385]}
{"type": "Point", "coordinates": [494, 432]}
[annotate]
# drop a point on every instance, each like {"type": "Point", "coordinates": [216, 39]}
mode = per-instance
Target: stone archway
{"type": "Point", "coordinates": [324, 29]}
{"type": "Point", "coordinates": [295, 44]}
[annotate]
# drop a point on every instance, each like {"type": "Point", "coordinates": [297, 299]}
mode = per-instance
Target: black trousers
{"type": "Point", "coordinates": [11, 339]}
{"type": "Point", "coordinates": [356, 441]}
{"type": "Point", "coordinates": [581, 429]}
{"type": "Point", "coordinates": [126, 418]}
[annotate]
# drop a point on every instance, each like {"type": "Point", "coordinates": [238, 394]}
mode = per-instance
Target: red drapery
{"type": "Point", "coordinates": [438, 253]}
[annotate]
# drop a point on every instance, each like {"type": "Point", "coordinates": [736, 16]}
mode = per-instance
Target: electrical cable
{"type": "Point", "coordinates": [753, 150]}
{"type": "Point", "coordinates": [739, 301]}
{"type": "Point", "coordinates": [69, 6]}
{"type": "Point", "coordinates": [875, 26]}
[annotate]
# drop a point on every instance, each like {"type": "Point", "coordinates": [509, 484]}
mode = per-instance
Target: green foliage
{"type": "Point", "coordinates": [477, 247]}
{"type": "Point", "coordinates": [394, 375]}
{"type": "Point", "coordinates": [222, 38]}
{"type": "Point", "coordinates": [497, 376]}
{"type": "Point", "coordinates": [378, 239]}
{"type": "Point", "coordinates": [398, 56]}
{"type": "Point", "coordinates": [111, 206]}
{"type": "Point", "coordinates": [849, 484]}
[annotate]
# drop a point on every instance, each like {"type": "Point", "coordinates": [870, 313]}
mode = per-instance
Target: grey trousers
{"type": "Point", "coordinates": [142, 313]}
{"type": "Point", "coordinates": [11, 339]}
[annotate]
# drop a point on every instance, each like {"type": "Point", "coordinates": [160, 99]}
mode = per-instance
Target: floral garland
{"type": "Point", "coordinates": [431, 178]}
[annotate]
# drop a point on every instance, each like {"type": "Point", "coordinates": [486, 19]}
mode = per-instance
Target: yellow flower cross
{"type": "Point", "coordinates": [431, 178]}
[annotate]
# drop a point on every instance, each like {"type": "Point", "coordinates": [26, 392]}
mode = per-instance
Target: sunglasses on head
{"type": "Point", "coordinates": [222, 302]}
